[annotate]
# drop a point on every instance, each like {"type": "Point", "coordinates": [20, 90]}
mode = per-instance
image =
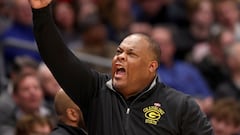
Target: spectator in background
{"type": "Point", "coordinates": [200, 16]}
{"type": "Point", "coordinates": [212, 64]}
{"type": "Point", "coordinates": [117, 15]}
{"type": "Point", "coordinates": [225, 117]}
{"type": "Point", "coordinates": [65, 14]}
{"type": "Point", "coordinates": [95, 46]}
{"type": "Point", "coordinates": [49, 85]}
{"type": "Point", "coordinates": [33, 125]}
{"type": "Point", "coordinates": [18, 39]}
{"type": "Point", "coordinates": [227, 17]}
{"type": "Point", "coordinates": [178, 74]}
{"type": "Point", "coordinates": [86, 8]}
{"type": "Point", "coordinates": [231, 86]}
{"type": "Point", "coordinates": [140, 27]}
{"type": "Point", "coordinates": [28, 99]}
{"type": "Point", "coordinates": [159, 12]}
{"type": "Point", "coordinates": [69, 115]}
{"type": "Point", "coordinates": [21, 65]}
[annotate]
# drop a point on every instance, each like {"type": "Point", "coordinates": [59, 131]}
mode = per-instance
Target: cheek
{"type": "Point", "coordinates": [138, 68]}
{"type": "Point", "coordinates": [113, 62]}
{"type": "Point", "coordinates": [23, 99]}
{"type": "Point", "coordinates": [24, 95]}
{"type": "Point", "coordinates": [39, 94]}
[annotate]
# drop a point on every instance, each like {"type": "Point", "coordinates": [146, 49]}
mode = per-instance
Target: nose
{"type": "Point", "coordinates": [121, 56]}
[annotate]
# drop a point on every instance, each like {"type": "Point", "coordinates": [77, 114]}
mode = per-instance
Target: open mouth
{"type": "Point", "coordinates": [120, 72]}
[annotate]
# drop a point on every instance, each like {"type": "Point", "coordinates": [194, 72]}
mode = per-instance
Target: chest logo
{"type": "Point", "coordinates": [153, 114]}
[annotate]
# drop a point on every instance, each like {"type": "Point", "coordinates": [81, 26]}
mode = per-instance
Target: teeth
{"type": "Point", "coordinates": [119, 66]}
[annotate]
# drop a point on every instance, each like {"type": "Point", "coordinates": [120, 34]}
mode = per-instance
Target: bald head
{"type": "Point", "coordinates": [62, 102]}
{"type": "Point", "coordinates": [68, 112]}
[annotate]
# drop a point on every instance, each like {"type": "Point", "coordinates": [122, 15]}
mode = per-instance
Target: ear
{"type": "Point", "coordinates": [72, 114]}
{"type": "Point", "coordinates": [153, 66]}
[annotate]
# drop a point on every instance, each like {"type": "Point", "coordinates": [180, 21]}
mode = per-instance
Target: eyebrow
{"type": "Point", "coordinates": [130, 50]}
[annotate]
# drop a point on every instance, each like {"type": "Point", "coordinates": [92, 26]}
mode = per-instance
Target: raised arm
{"type": "Point", "coordinates": [77, 80]}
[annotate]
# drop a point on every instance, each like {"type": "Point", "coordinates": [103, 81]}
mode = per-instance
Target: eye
{"type": "Point", "coordinates": [131, 54]}
{"type": "Point", "coordinates": [118, 51]}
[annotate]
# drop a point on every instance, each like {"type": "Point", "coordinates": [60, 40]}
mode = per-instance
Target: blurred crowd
{"type": "Point", "coordinates": [200, 54]}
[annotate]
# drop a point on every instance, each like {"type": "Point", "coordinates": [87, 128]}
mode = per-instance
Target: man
{"type": "Point", "coordinates": [133, 101]}
{"type": "Point", "coordinates": [69, 116]}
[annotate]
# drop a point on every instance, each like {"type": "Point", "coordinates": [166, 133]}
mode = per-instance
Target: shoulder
{"type": "Point", "coordinates": [184, 110]}
{"type": "Point", "coordinates": [174, 97]}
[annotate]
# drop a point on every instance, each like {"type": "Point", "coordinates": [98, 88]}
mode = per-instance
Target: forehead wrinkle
{"type": "Point", "coordinates": [132, 46]}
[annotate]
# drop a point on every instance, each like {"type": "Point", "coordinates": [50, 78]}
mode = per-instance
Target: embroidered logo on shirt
{"type": "Point", "coordinates": [153, 114]}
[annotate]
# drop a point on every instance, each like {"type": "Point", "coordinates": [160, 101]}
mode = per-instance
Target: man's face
{"type": "Point", "coordinates": [132, 65]}
{"type": "Point", "coordinates": [29, 95]}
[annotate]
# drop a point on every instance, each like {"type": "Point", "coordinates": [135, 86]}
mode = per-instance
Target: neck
{"type": "Point", "coordinates": [148, 85]}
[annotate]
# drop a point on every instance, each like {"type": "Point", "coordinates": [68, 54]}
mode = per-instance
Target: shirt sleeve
{"type": "Point", "coordinates": [77, 80]}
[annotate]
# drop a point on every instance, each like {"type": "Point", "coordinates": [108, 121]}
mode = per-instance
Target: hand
{"type": "Point", "coordinates": [37, 4]}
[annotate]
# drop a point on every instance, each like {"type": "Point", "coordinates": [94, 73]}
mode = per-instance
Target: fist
{"type": "Point", "coordinates": [37, 4]}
